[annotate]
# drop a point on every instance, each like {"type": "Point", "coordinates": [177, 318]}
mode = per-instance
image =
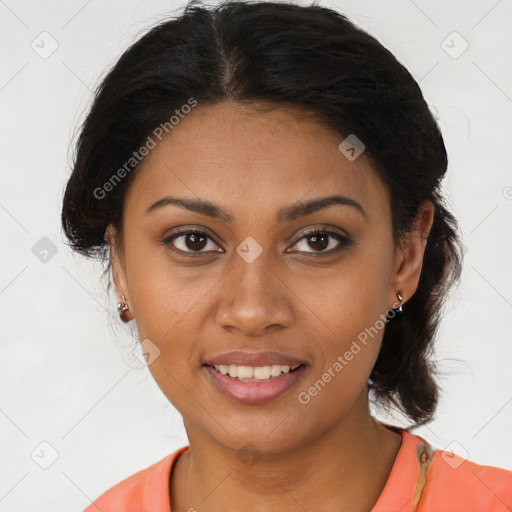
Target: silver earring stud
{"type": "Point", "coordinates": [123, 306]}
{"type": "Point", "coordinates": [400, 298]}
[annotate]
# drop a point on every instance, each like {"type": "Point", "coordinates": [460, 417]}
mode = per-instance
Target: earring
{"type": "Point", "coordinates": [123, 307]}
{"type": "Point", "coordinates": [400, 298]}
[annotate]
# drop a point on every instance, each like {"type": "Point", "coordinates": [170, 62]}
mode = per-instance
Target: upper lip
{"type": "Point", "coordinates": [243, 358]}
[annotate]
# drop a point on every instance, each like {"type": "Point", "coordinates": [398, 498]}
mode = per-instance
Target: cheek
{"type": "Point", "coordinates": [344, 363]}
{"type": "Point", "coordinates": [351, 297]}
{"type": "Point", "coordinates": [352, 308]}
{"type": "Point", "coordinates": [163, 295]}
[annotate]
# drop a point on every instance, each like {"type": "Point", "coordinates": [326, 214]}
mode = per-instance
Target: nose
{"type": "Point", "coordinates": [254, 299]}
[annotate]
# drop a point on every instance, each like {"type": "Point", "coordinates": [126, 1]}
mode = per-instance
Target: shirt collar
{"type": "Point", "coordinates": [407, 477]}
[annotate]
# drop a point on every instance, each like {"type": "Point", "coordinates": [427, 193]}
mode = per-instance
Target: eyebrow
{"type": "Point", "coordinates": [286, 214]}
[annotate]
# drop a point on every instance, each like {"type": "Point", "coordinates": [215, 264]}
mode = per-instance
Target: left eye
{"type": "Point", "coordinates": [319, 239]}
{"type": "Point", "coordinates": [192, 240]}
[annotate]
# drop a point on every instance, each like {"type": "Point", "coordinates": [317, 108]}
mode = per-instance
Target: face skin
{"type": "Point", "coordinates": [292, 298]}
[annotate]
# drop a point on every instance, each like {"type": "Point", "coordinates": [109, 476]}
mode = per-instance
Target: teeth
{"type": "Point", "coordinates": [254, 372]}
{"type": "Point", "coordinates": [244, 372]}
{"type": "Point", "coordinates": [262, 372]}
{"type": "Point", "coordinates": [275, 370]}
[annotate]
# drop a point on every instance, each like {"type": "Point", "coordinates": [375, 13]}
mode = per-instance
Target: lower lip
{"type": "Point", "coordinates": [255, 392]}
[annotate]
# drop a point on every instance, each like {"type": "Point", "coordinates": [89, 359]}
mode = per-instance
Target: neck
{"type": "Point", "coordinates": [345, 469]}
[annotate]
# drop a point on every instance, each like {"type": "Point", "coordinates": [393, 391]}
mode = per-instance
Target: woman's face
{"type": "Point", "coordinates": [252, 288]}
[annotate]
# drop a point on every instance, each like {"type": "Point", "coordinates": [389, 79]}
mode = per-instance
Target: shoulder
{"type": "Point", "coordinates": [454, 483]}
{"type": "Point", "coordinates": [146, 490]}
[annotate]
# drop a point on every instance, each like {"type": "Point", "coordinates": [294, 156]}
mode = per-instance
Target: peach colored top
{"type": "Point", "coordinates": [422, 479]}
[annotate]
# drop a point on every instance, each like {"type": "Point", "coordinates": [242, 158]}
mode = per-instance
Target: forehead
{"type": "Point", "coordinates": [246, 158]}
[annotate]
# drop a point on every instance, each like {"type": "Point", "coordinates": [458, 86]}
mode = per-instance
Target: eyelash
{"type": "Point", "coordinates": [344, 241]}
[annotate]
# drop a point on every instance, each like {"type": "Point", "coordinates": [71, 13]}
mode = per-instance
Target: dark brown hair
{"type": "Point", "coordinates": [309, 57]}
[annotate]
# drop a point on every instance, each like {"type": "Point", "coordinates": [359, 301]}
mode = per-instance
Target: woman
{"type": "Point", "coordinates": [263, 181]}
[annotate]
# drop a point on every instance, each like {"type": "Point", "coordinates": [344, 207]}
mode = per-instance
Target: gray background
{"type": "Point", "coordinates": [68, 378]}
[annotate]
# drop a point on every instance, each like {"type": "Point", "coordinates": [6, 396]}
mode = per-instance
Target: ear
{"type": "Point", "coordinates": [118, 270]}
{"type": "Point", "coordinates": [409, 256]}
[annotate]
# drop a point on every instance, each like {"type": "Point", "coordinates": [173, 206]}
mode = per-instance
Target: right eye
{"type": "Point", "coordinates": [189, 241]}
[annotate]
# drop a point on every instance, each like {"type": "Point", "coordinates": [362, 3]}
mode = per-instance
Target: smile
{"type": "Point", "coordinates": [254, 373]}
